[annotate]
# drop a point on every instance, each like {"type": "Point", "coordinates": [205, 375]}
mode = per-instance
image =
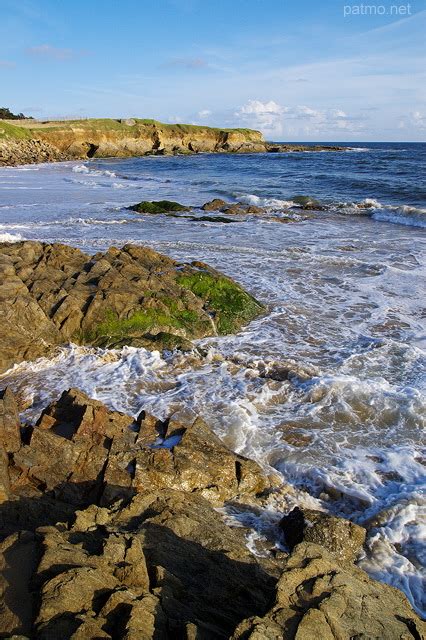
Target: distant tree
{"type": "Point", "coordinates": [6, 114]}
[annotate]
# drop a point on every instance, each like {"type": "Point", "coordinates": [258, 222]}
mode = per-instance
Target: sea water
{"type": "Point", "coordinates": [345, 297]}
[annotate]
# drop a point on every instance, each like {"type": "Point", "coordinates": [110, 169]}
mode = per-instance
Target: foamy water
{"type": "Point", "coordinates": [345, 296]}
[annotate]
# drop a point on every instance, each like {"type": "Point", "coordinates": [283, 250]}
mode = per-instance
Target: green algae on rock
{"type": "Point", "coordinates": [53, 294]}
{"type": "Point", "coordinates": [230, 305]}
{"type": "Point", "coordinates": [158, 206]}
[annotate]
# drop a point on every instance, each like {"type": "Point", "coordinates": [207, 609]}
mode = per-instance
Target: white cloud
{"type": "Point", "coordinates": [204, 113]}
{"type": "Point", "coordinates": [418, 119]}
{"type": "Point", "coordinates": [266, 116]}
{"type": "Point", "coordinates": [275, 119]}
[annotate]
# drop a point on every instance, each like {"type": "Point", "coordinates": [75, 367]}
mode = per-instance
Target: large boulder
{"type": "Point", "coordinates": [340, 536]}
{"type": "Point", "coordinates": [51, 294]}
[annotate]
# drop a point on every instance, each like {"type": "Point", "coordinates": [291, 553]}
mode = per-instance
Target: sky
{"type": "Point", "coordinates": [298, 70]}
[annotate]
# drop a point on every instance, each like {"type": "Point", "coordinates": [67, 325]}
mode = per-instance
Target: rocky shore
{"type": "Point", "coordinates": [126, 527]}
{"type": "Point", "coordinates": [52, 294]}
{"type": "Point", "coordinates": [30, 141]}
{"type": "Point", "coordinates": [110, 529]}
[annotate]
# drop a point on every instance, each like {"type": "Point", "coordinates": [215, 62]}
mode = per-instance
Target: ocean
{"type": "Point", "coordinates": [345, 296]}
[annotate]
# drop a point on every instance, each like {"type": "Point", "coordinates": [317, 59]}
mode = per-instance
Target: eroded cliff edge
{"type": "Point", "coordinates": [30, 141]}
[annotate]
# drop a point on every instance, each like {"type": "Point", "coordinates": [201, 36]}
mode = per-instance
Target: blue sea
{"type": "Point", "coordinates": [345, 292]}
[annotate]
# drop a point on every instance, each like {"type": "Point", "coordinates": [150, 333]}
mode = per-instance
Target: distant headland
{"type": "Point", "coordinates": [26, 141]}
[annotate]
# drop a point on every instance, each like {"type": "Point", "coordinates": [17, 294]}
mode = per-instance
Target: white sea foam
{"type": "Point", "coordinates": [274, 204]}
{"type": "Point", "coordinates": [83, 168]}
{"type": "Point", "coordinates": [396, 214]}
{"type": "Point", "coordinates": [10, 237]}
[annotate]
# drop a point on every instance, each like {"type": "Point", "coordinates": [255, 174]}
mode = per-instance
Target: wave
{"type": "Point", "coordinates": [10, 237]}
{"type": "Point", "coordinates": [274, 204]}
{"type": "Point", "coordinates": [83, 168]}
{"type": "Point", "coordinates": [395, 214]}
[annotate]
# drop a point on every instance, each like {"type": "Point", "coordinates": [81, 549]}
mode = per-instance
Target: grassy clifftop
{"type": "Point", "coordinates": [103, 137]}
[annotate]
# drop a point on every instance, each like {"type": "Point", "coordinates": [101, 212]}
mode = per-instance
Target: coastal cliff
{"type": "Point", "coordinates": [29, 141]}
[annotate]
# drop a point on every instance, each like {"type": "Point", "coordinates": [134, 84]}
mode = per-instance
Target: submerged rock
{"type": "Point", "coordinates": [158, 206]}
{"type": "Point", "coordinates": [51, 294]}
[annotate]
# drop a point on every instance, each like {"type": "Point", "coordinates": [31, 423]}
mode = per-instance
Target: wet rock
{"type": "Point", "coordinates": [337, 535]}
{"type": "Point", "coordinates": [85, 453]}
{"type": "Point", "coordinates": [214, 205]}
{"type": "Point", "coordinates": [190, 457]}
{"type": "Point", "coordinates": [308, 203]}
{"type": "Point", "coordinates": [156, 207]}
{"type": "Point", "coordinates": [317, 597]}
{"type": "Point", "coordinates": [10, 435]}
{"type": "Point", "coordinates": [51, 294]}
{"type": "Point", "coordinates": [124, 537]}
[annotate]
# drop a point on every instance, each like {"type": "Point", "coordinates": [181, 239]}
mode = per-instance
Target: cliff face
{"type": "Point", "coordinates": [102, 138]}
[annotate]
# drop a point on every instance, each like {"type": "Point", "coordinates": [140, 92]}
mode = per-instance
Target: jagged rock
{"type": "Point", "coordinates": [18, 560]}
{"type": "Point", "coordinates": [10, 436]}
{"type": "Point", "coordinates": [317, 597]}
{"type": "Point", "coordinates": [214, 205]}
{"type": "Point", "coordinates": [50, 294]}
{"type": "Point", "coordinates": [14, 152]}
{"type": "Point", "coordinates": [85, 453]}
{"type": "Point", "coordinates": [339, 536]}
{"type": "Point", "coordinates": [130, 575]}
{"type": "Point", "coordinates": [193, 459]}
{"type": "Point", "coordinates": [139, 559]}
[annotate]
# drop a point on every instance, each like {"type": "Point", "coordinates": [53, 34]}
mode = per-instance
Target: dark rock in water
{"type": "Point", "coordinates": [337, 535]}
{"type": "Point", "coordinates": [318, 597]}
{"type": "Point", "coordinates": [159, 206]}
{"type": "Point", "coordinates": [51, 294]}
{"type": "Point", "coordinates": [214, 205]}
{"type": "Point", "coordinates": [307, 203]}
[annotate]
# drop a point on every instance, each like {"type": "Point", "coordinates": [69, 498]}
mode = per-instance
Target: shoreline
{"type": "Point", "coordinates": [142, 494]}
{"type": "Point", "coordinates": [32, 142]}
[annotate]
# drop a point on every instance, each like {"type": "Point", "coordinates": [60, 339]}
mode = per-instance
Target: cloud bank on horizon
{"type": "Point", "coordinates": [296, 71]}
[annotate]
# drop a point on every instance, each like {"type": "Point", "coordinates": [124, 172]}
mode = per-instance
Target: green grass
{"type": "Point", "coordinates": [10, 131]}
{"type": "Point", "coordinates": [231, 305]}
{"type": "Point", "coordinates": [109, 124]}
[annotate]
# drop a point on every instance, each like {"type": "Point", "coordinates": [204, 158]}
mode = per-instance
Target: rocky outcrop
{"type": "Point", "coordinates": [283, 147]}
{"type": "Point", "coordinates": [51, 294]}
{"type": "Point", "coordinates": [341, 537]}
{"type": "Point", "coordinates": [110, 531]}
{"type": "Point", "coordinates": [318, 597]}
{"type": "Point", "coordinates": [15, 152]}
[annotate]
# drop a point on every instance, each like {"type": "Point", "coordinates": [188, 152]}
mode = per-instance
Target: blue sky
{"type": "Point", "coordinates": [296, 69]}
